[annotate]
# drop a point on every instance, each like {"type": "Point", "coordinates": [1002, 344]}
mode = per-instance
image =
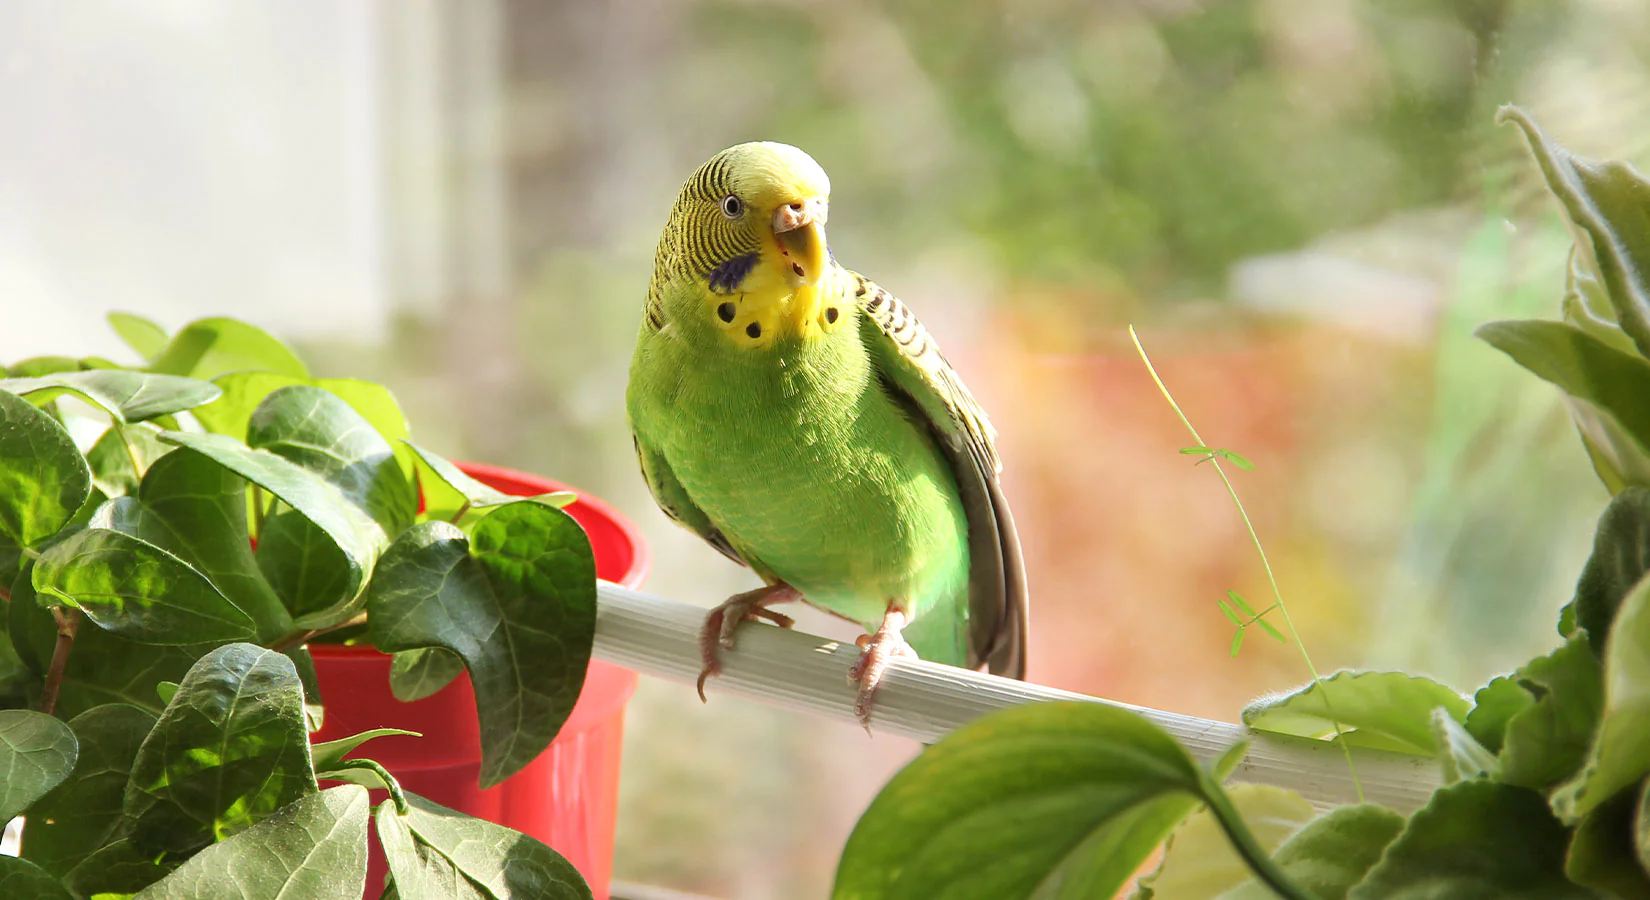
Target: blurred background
{"type": "Point", "coordinates": [1303, 205]}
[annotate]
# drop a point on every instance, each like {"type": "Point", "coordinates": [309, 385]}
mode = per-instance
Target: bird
{"type": "Point", "coordinates": [802, 421]}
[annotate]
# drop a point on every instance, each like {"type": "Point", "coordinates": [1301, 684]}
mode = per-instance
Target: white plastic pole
{"type": "Point", "coordinates": [926, 701]}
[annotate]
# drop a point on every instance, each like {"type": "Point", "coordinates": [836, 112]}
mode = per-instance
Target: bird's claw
{"type": "Point", "coordinates": [879, 650]}
{"type": "Point", "coordinates": [723, 622]}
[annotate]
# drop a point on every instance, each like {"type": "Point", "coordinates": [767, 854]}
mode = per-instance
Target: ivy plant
{"type": "Point", "coordinates": [174, 535]}
{"type": "Point", "coordinates": [1545, 772]}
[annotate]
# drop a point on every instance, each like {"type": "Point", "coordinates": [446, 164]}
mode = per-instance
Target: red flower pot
{"type": "Point", "coordinates": [568, 797]}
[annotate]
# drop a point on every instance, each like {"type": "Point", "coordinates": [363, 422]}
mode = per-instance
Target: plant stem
{"type": "Point", "coordinates": [1277, 594]}
{"type": "Point", "coordinates": [68, 622]}
{"type": "Point", "coordinates": [461, 511]}
{"type": "Point", "coordinates": [1243, 841]}
{"type": "Point", "coordinates": [305, 635]}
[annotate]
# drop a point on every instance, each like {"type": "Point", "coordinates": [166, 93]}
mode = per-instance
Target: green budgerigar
{"type": "Point", "coordinates": [801, 420]}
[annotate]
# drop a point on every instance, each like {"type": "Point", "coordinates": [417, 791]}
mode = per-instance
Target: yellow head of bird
{"type": "Point", "coordinates": [750, 224]}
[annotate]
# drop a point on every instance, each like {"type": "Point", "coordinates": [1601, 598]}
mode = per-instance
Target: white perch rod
{"type": "Point", "coordinates": [926, 701]}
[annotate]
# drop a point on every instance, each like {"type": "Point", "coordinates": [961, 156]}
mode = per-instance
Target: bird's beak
{"type": "Point", "coordinates": [799, 228]}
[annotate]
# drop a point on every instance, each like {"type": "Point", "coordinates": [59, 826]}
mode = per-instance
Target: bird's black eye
{"type": "Point", "coordinates": [732, 206]}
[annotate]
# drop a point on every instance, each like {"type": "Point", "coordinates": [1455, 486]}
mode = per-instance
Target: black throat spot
{"type": "Point", "coordinates": [726, 277]}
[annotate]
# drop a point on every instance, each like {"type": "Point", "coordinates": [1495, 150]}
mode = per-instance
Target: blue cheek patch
{"type": "Point", "coordinates": [726, 277]}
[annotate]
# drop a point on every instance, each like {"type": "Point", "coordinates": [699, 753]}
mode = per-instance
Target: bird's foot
{"type": "Point", "coordinates": [879, 650]}
{"type": "Point", "coordinates": [724, 620]}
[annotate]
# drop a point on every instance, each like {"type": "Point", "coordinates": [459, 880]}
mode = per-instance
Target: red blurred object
{"type": "Point", "coordinates": [568, 797]}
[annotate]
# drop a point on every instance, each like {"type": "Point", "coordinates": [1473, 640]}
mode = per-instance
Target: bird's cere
{"type": "Point", "coordinates": [792, 216]}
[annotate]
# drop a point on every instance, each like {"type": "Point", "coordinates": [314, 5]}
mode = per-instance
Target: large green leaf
{"type": "Point", "coordinates": [127, 396]}
{"type": "Point", "coordinates": [354, 532]}
{"type": "Point", "coordinates": [136, 590]}
{"type": "Point", "coordinates": [144, 336]}
{"type": "Point", "coordinates": [322, 433]}
{"type": "Point", "coordinates": [20, 879]}
{"type": "Point", "coordinates": [1602, 853]}
{"type": "Point", "coordinates": [208, 348]}
{"type": "Point", "coordinates": [416, 674]}
{"type": "Point", "coordinates": [436, 853]}
{"type": "Point", "coordinates": [302, 564]}
{"type": "Point", "coordinates": [116, 871]}
{"type": "Point", "coordinates": [229, 750]}
{"type": "Point", "coordinates": [243, 391]}
{"type": "Point", "coordinates": [1611, 203]}
{"type": "Point", "coordinates": [314, 848]}
{"type": "Point", "coordinates": [1332, 853]}
{"type": "Point", "coordinates": [994, 808]}
{"type": "Point", "coordinates": [1603, 383]}
{"type": "Point", "coordinates": [122, 455]}
{"type": "Point", "coordinates": [1618, 759]}
{"type": "Point", "coordinates": [195, 508]}
{"type": "Point", "coordinates": [84, 812]}
{"type": "Point", "coordinates": [518, 605]}
{"type": "Point", "coordinates": [102, 668]}
{"type": "Point", "coordinates": [43, 477]}
{"type": "Point", "coordinates": [36, 753]}
{"type": "Point", "coordinates": [1547, 741]}
{"type": "Point", "coordinates": [1386, 710]}
{"type": "Point", "coordinates": [1199, 863]}
{"type": "Point", "coordinates": [1476, 840]}
{"type": "Point", "coordinates": [470, 493]}
{"type": "Point", "coordinates": [1621, 557]}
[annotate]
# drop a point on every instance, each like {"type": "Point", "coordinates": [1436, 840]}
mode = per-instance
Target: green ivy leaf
{"type": "Point", "coordinates": [475, 494]}
{"type": "Point", "coordinates": [195, 509]}
{"type": "Point", "coordinates": [243, 391]}
{"type": "Point", "coordinates": [142, 335]}
{"type": "Point", "coordinates": [24, 879]}
{"type": "Point", "coordinates": [315, 848]}
{"type": "Point", "coordinates": [103, 668]}
{"type": "Point", "coordinates": [1547, 741]}
{"type": "Point", "coordinates": [83, 813]}
{"type": "Point", "coordinates": [1332, 853]}
{"type": "Point", "coordinates": [416, 674]}
{"type": "Point", "coordinates": [1385, 710]}
{"type": "Point", "coordinates": [354, 532]}
{"type": "Point", "coordinates": [1607, 200]}
{"type": "Point", "coordinates": [127, 396]}
{"type": "Point", "coordinates": [322, 433]}
{"type": "Point", "coordinates": [1617, 759]}
{"type": "Point", "coordinates": [1621, 557]}
{"type": "Point", "coordinates": [518, 605]}
{"type": "Point", "coordinates": [42, 365]}
{"type": "Point", "coordinates": [1463, 757]}
{"type": "Point", "coordinates": [1475, 839]}
{"type": "Point", "coordinates": [117, 871]}
{"type": "Point", "coordinates": [122, 455]}
{"type": "Point", "coordinates": [991, 810]}
{"type": "Point", "coordinates": [43, 477]}
{"type": "Point", "coordinates": [302, 564]}
{"type": "Point", "coordinates": [208, 348]}
{"type": "Point", "coordinates": [136, 590]}
{"type": "Point", "coordinates": [438, 854]}
{"type": "Point", "coordinates": [229, 750]}
{"type": "Point", "coordinates": [1493, 706]}
{"type": "Point", "coordinates": [1199, 863]}
{"type": "Point", "coordinates": [1606, 387]}
{"type": "Point", "coordinates": [36, 753]}
{"type": "Point", "coordinates": [1602, 851]}
{"type": "Point", "coordinates": [329, 754]}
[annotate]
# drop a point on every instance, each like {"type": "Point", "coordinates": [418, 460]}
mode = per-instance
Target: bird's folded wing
{"type": "Point", "coordinates": [915, 371]}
